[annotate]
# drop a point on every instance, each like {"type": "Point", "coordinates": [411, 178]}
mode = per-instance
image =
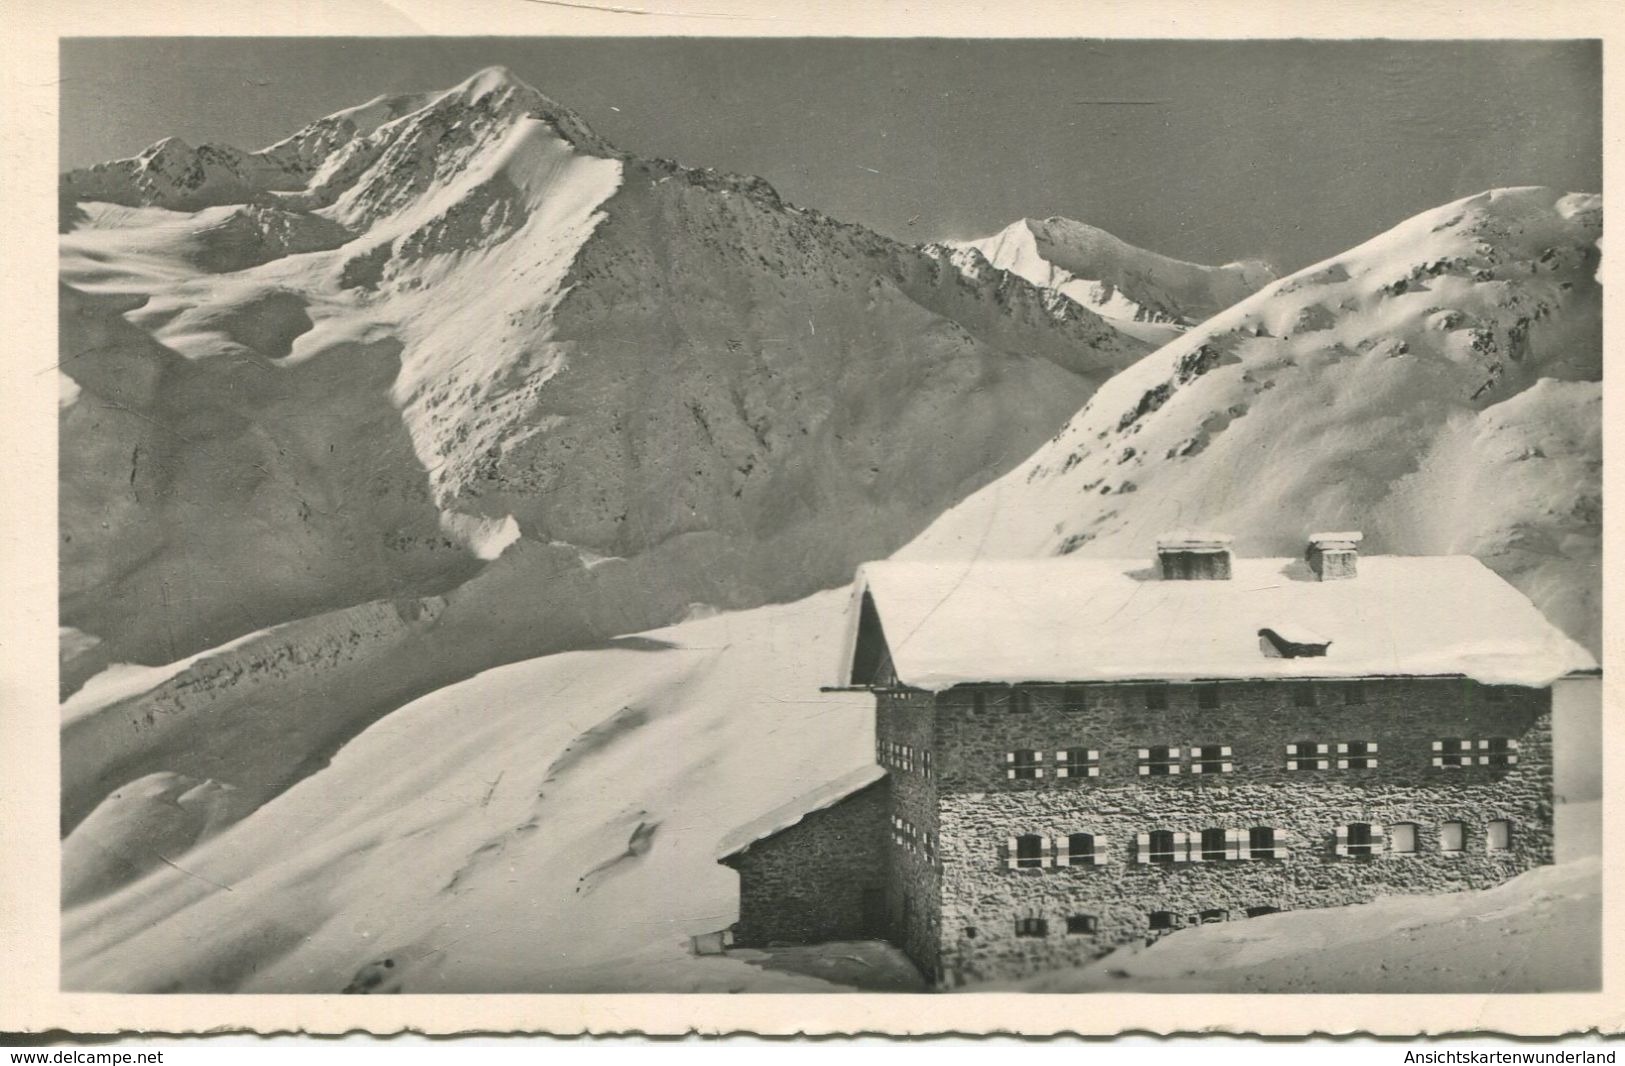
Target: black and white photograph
{"type": "Point", "coordinates": [881, 515]}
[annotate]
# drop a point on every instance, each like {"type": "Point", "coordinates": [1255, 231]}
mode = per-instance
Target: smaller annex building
{"type": "Point", "coordinates": [1074, 754]}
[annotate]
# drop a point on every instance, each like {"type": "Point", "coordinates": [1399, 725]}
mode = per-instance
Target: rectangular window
{"type": "Point", "coordinates": [1359, 840]}
{"type": "Point", "coordinates": [1452, 838]}
{"type": "Point", "coordinates": [1162, 921]}
{"type": "Point", "coordinates": [1161, 761]}
{"type": "Point", "coordinates": [1209, 917]}
{"type": "Point", "coordinates": [1080, 849]}
{"type": "Point", "coordinates": [1303, 694]}
{"type": "Point", "coordinates": [1262, 843]}
{"type": "Point", "coordinates": [1162, 846]}
{"type": "Point", "coordinates": [1402, 838]}
{"type": "Point", "coordinates": [1353, 694]}
{"type": "Point", "coordinates": [1497, 751]}
{"type": "Point", "coordinates": [1308, 755]}
{"type": "Point", "coordinates": [1215, 845]}
{"type": "Point", "coordinates": [1032, 927]}
{"type": "Point", "coordinates": [925, 762]}
{"type": "Point", "coordinates": [1207, 697]}
{"type": "Point", "coordinates": [1156, 697]}
{"type": "Point", "coordinates": [1211, 759]}
{"type": "Point", "coordinates": [908, 759]}
{"type": "Point", "coordinates": [1498, 835]}
{"type": "Point", "coordinates": [1357, 755]}
{"type": "Point", "coordinates": [1452, 752]}
{"type": "Point", "coordinates": [1023, 764]}
{"type": "Point", "coordinates": [1077, 762]}
{"type": "Point", "coordinates": [1082, 923]}
{"type": "Point", "coordinates": [1027, 852]}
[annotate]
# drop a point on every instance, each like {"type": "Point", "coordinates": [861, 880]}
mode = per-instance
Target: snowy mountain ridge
{"type": "Point", "coordinates": [1113, 278]}
{"type": "Point", "coordinates": [1436, 387]}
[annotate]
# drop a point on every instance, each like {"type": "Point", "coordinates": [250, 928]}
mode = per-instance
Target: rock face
{"type": "Point", "coordinates": [364, 361]}
{"type": "Point", "coordinates": [1434, 387]}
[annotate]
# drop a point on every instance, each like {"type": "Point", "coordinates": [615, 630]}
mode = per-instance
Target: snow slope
{"type": "Point", "coordinates": [1140, 291]}
{"type": "Point", "coordinates": [1437, 387]}
{"type": "Point", "coordinates": [419, 334]}
{"type": "Point", "coordinates": [546, 826]}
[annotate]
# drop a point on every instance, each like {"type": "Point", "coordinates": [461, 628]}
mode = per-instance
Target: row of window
{"type": "Point", "coordinates": [921, 842]}
{"type": "Point", "coordinates": [1209, 695]}
{"type": "Point", "coordinates": [895, 756]}
{"type": "Point", "coordinates": [1033, 925]}
{"type": "Point", "coordinates": [1031, 851]}
{"type": "Point", "coordinates": [1026, 764]}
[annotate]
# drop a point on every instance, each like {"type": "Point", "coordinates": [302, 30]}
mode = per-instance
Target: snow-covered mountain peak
{"type": "Point", "coordinates": [1141, 291]}
{"type": "Point", "coordinates": [493, 79]}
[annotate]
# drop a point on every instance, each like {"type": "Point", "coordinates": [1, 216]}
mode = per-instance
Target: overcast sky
{"type": "Point", "coordinates": [1210, 151]}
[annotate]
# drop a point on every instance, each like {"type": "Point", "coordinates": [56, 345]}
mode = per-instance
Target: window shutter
{"type": "Point", "coordinates": [1010, 853]}
{"type": "Point", "coordinates": [1182, 847]}
{"type": "Point", "coordinates": [1142, 848]}
{"type": "Point", "coordinates": [1342, 764]}
{"type": "Point", "coordinates": [1342, 845]}
{"type": "Point", "coordinates": [1283, 842]}
{"type": "Point", "coordinates": [1063, 850]}
{"type": "Point", "coordinates": [1236, 844]}
{"type": "Point", "coordinates": [1010, 764]}
{"type": "Point", "coordinates": [1196, 752]}
{"type": "Point", "coordinates": [1044, 858]}
{"type": "Point", "coordinates": [1342, 747]}
{"type": "Point", "coordinates": [1371, 748]}
{"type": "Point", "coordinates": [1062, 769]}
{"type": "Point", "coordinates": [1192, 847]}
{"type": "Point", "coordinates": [1101, 846]}
{"type": "Point", "coordinates": [1379, 839]}
{"type": "Point", "coordinates": [1196, 768]}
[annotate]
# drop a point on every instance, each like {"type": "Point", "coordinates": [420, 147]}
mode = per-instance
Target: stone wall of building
{"type": "Point", "coordinates": [980, 808]}
{"type": "Point", "coordinates": [825, 878]}
{"type": "Point", "coordinates": [915, 886]}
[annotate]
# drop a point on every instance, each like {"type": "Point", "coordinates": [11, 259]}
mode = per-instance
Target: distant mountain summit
{"type": "Point", "coordinates": [1115, 279]}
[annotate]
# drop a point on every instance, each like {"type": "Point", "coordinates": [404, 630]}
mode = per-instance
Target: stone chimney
{"type": "Point", "coordinates": [1188, 556]}
{"type": "Point", "coordinates": [1334, 556]}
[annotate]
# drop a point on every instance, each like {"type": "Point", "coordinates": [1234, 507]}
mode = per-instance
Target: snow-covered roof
{"type": "Point", "coordinates": [1071, 619]}
{"type": "Point", "coordinates": [783, 817]}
